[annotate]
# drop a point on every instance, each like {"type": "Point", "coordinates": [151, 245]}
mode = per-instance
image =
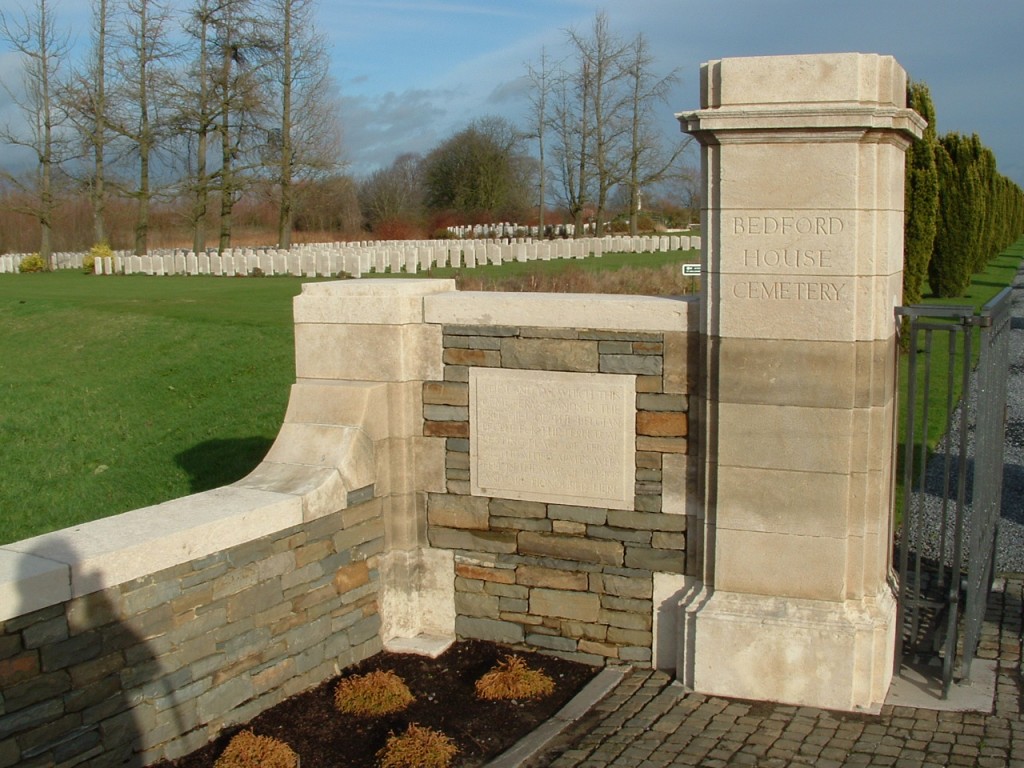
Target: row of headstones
{"type": "Point", "coordinates": [10, 262]}
{"type": "Point", "coordinates": [504, 230]}
{"type": "Point", "coordinates": [326, 260]}
{"type": "Point", "coordinates": [357, 259]}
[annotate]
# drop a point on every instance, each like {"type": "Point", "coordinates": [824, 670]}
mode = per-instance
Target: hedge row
{"type": "Point", "coordinates": [960, 211]}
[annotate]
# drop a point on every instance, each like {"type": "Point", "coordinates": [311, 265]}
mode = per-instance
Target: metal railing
{"type": "Point", "coordinates": [951, 500]}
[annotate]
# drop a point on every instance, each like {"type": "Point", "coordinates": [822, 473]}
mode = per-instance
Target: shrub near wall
{"type": "Point", "coordinates": [157, 666]}
{"type": "Point", "coordinates": [577, 581]}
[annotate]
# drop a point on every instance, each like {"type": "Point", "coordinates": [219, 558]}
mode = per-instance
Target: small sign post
{"type": "Point", "coordinates": [691, 270]}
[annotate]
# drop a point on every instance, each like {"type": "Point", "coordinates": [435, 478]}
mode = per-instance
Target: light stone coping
{"type": "Point", "coordinates": [823, 78]}
{"type": "Point", "coordinates": [366, 301]}
{"type": "Point", "coordinates": [307, 474]}
{"type": "Point", "coordinates": [377, 287]}
{"type": "Point", "coordinates": [62, 565]}
{"type": "Point", "coordinates": [29, 582]}
{"type": "Point", "coordinates": [563, 310]}
{"type": "Point", "coordinates": [855, 118]}
{"type": "Point", "coordinates": [389, 353]}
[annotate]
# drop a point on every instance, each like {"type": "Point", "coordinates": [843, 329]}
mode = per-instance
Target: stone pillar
{"type": "Point", "coordinates": [362, 352]}
{"type": "Point", "coordinates": [803, 163]}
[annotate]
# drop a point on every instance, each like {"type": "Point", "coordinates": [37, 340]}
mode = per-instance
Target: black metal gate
{"type": "Point", "coordinates": [951, 490]}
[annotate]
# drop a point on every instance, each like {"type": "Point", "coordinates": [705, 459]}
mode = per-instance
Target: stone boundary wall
{"type": "Point", "coordinates": [163, 662]}
{"type": "Point", "coordinates": [575, 580]}
{"type": "Point", "coordinates": [140, 636]}
{"type": "Point", "coordinates": [361, 258]}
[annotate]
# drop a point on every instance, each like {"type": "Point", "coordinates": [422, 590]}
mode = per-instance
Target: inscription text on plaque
{"type": "Point", "coordinates": [564, 438]}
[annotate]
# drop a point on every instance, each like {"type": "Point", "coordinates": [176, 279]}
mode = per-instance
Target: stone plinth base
{"type": "Point", "coordinates": [803, 652]}
{"type": "Point", "coordinates": [417, 596]}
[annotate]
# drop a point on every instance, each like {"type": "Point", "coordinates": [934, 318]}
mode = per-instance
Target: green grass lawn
{"type": "Point", "coordinates": [984, 286]}
{"type": "Point", "coordinates": [121, 392]}
{"type": "Point", "coordinates": [118, 393]}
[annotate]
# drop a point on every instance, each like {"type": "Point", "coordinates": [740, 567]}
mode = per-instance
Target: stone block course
{"type": "Point", "coordinates": [445, 393]}
{"type": "Point", "coordinates": [519, 509]}
{"type": "Point", "coordinates": [459, 356]}
{"type": "Point", "coordinates": [472, 541]}
{"type": "Point", "coordinates": [485, 573]}
{"type": "Point", "coordinates": [642, 365]}
{"type": "Point", "coordinates": [556, 547]}
{"type": "Point", "coordinates": [571, 548]}
{"type": "Point", "coordinates": [539, 576]}
{"type": "Point", "coordinates": [226, 643]}
{"type": "Point", "coordinates": [447, 510]}
{"type": "Point", "coordinates": [662, 423]}
{"type": "Point", "coordinates": [549, 355]}
{"type": "Point", "coordinates": [446, 429]}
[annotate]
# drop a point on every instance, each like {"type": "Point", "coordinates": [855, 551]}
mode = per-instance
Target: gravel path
{"type": "Point", "coordinates": [1010, 540]}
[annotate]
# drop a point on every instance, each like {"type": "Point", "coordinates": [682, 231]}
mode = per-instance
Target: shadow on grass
{"type": "Point", "coordinates": [221, 462]}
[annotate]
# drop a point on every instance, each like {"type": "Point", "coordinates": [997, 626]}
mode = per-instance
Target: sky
{"type": "Point", "coordinates": [410, 73]}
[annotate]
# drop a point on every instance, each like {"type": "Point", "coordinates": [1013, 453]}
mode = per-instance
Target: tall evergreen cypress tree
{"type": "Point", "coordinates": [921, 197]}
{"type": "Point", "coordinates": [949, 271]}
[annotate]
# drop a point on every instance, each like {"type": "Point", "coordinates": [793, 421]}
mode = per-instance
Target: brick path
{"type": "Point", "coordinates": [648, 721]}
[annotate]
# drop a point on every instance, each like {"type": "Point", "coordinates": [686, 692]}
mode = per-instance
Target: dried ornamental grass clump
{"type": "Point", "coordinates": [512, 679]}
{"type": "Point", "coordinates": [418, 747]}
{"type": "Point", "coordinates": [375, 693]}
{"type": "Point", "coordinates": [247, 750]}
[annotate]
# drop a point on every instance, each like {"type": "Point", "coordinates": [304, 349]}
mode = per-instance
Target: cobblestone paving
{"type": "Point", "coordinates": [648, 721]}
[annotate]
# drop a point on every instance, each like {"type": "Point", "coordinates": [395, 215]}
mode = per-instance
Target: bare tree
{"type": "Point", "coordinates": [305, 141]}
{"type": "Point", "coordinates": [139, 109]}
{"type": "Point", "coordinates": [601, 57]}
{"type": "Point", "coordinates": [238, 87]}
{"type": "Point", "coordinates": [84, 98]}
{"type": "Point", "coordinates": [570, 124]}
{"type": "Point", "coordinates": [541, 80]}
{"type": "Point", "coordinates": [196, 117]}
{"type": "Point", "coordinates": [44, 52]}
{"type": "Point", "coordinates": [646, 161]}
{"type": "Point", "coordinates": [601, 116]}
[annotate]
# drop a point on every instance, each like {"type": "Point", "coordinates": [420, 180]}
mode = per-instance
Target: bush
{"type": "Point", "coordinates": [512, 679]}
{"type": "Point", "coordinates": [247, 750]}
{"type": "Point", "coordinates": [32, 263]}
{"type": "Point", "coordinates": [98, 251]}
{"type": "Point", "coordinates": [372, 694]}
{"type": "Point", "coordinates": [418, 747]}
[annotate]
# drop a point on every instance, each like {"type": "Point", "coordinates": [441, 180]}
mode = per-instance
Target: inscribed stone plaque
{"type": "Point", "coordinates": [563, 438]}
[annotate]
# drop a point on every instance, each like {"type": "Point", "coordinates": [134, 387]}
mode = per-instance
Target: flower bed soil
{"type": "Point", "coordinates": [446, 701]}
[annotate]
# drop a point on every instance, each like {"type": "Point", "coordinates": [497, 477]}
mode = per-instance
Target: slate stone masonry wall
{"type": "Point", "coordinates": [190, 649]}
{"type": "Point", "coordinates": [577, 581]}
